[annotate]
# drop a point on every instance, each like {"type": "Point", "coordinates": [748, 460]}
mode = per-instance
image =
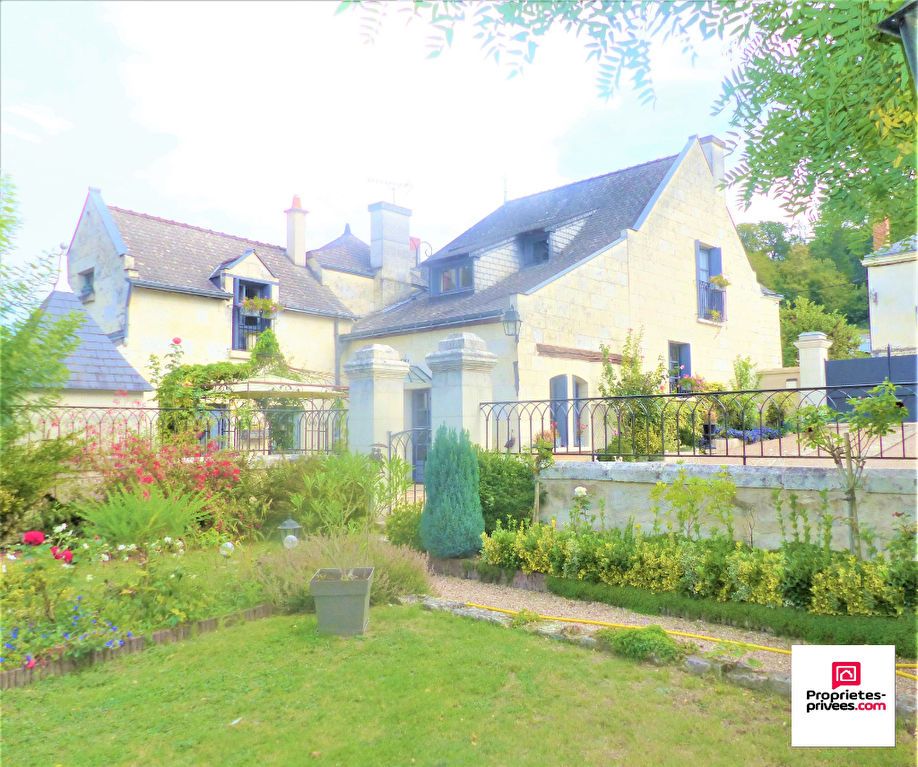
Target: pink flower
{"type": "Point", "coordinates": [146, 480]}
{"type": "Point", "coordinates": [33, 538]}
{"type": "Point", "coordinates": [30, 663]}
{"type": "Point", "coordinates": [67, 556]}
{"type": "Point", "coordinates": [176, 341]}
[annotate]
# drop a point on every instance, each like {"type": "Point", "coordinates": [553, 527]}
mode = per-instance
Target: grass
{"type": "Point", "coordinates": [421, 688]}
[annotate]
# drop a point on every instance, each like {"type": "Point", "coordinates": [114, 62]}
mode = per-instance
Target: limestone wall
{"type": "Point", "coordinates": [625, 489]}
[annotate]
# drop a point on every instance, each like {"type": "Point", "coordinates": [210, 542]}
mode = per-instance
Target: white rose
{"type": "Point", "coordinates": [580, 492]}
{"type": "Point", "coordinates": [226, 549]}
{"type": "Point", "coordinates": [167, 539]}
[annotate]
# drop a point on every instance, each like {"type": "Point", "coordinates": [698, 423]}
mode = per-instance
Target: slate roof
{"type": "Point", "coordinates": [608, 203]}
{"type": "Point", "coordinates": [908, 245]}
{"type": "Point", "coordinates": [96, 363]}
{"type": "Point", "coordinates": [180, 257]}
{"type": "Point", "coordinates": [346, 253]}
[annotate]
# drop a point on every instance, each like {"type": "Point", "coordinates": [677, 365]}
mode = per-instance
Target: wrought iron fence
{"type": "Point", "coordinates": [412, 446]}
{"type": "Point", "coordinates": [712, 303]}
{"type": "Point", "coordinates": [305, 426]}
{"type": "Point", "coordinates": [740, 425]}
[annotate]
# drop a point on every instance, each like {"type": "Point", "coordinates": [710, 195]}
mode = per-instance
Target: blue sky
{"type": "Point", "coordinates": [216, 114]}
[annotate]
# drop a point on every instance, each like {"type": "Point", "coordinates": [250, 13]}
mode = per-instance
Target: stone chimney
{"type": "Point", "coordinates": [296, 232]}
{"type": "Point", "coordinates": [713, 149]}
{"type": "Point", "coordinates": [881, 234]}
{"type": "Point", "coordinates": [390, 251]}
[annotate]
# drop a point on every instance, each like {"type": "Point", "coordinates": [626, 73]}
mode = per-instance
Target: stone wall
{"type": "Point", "coordinates": [625, 488]}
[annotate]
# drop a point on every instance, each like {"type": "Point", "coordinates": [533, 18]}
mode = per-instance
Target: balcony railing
{"type": "Point", "coordinates": [712, 302]}
{"type": "Point", "coordinates": [246, 331]}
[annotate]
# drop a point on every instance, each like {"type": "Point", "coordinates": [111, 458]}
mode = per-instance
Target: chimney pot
{"type": "Point", "coordinates": [296, 232]}
{"type": "Point", "coordinates": [713, 149]}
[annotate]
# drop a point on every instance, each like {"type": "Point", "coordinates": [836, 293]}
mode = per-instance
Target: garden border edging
{"type": "Point", "coordinates": [21, 677]}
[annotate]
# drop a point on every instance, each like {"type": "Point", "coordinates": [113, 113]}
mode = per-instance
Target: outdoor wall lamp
{"type": "Point", "coordinates": [903, 24]}
{"type": "Point", "coordinates": [512, 322]}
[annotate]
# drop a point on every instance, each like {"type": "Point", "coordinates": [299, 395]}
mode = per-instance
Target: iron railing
{"type": "Point", "coordinates": [305, 426]}
{"type": "Point", "coordinates": [412, 446]}
{"type": "Point", "coordinates": [740, 425]}
{"type": "Point", "coordinates": [712, 303]}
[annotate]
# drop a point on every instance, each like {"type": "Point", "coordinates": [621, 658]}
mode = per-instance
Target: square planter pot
{"type": "Point", "coordinates": [342, 605]}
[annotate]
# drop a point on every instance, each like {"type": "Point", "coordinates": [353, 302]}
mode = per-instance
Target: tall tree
{"type": "Point", "coordinates": [822, 101]}
{"type": "Point", "coordinates": [803, 316]}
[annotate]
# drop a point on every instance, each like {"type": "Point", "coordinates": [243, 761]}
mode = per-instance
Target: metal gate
{"type": "Point", "coordinates": [412, 446]}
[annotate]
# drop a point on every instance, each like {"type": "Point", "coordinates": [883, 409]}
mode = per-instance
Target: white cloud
{"type": "Point", "coordinates": [11, 130]}
{"type": "Point", "coordinates": [42, 117]}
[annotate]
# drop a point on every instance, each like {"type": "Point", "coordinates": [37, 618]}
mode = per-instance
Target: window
{"type": "Point", "coordinates": [711, 294]}
{"type": "Point", "coordinates": [534, 248]}
{"type": "Point", "coordinates": [680, 364]}
{"type": "Point", "coordinates": [452, 279]}
{"type": "Point", "coordinates": [248, 325]}
{"type": "Point", "coordinates": [87, 283]}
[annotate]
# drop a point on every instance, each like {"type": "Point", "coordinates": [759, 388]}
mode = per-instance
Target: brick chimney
{"type": "Point", "coordinates": [713, 149]}
{"type": "Point", "coordinates": [881, 234]}
{"type": "Point", "coordinates": [296, 232]}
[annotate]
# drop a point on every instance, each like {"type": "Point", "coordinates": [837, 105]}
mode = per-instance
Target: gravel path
{"type": "Point", "coordinates": [543, 603]}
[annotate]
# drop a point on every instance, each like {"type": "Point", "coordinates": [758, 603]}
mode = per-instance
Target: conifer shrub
{"type": "Point", "coordinates": [452, 522]}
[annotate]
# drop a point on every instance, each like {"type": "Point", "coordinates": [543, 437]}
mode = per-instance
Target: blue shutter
{"type": "Point", "coordinates": [237, 317]}
{"type": "Point", "coordinates": [716, 265]}
{"type": "Point", "coordinates": [559, 406]}
{"type": "Point", "coordinates": [685, 358]}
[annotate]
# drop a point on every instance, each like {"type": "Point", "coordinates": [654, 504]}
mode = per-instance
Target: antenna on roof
{"type": "Point", "coordinates": [393, 185]}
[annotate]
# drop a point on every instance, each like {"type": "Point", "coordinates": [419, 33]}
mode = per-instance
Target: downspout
{"type": "Point", "coordinates": [337, 354]}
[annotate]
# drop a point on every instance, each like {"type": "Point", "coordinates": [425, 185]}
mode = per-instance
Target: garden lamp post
{"type": "Point", "coordinates": [903, 24]}
{"type": "Point", "coordinates": [289, 529]}
{"type": "Point", "coordinates": [512, 322]}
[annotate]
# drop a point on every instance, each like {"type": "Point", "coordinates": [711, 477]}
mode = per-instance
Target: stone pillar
{"type": "Point", "coordinates": [376, 379]}
{"type": "Point", "coordinates": [461, 369]}
{"type": "Point", "coordinates": [813, 351]}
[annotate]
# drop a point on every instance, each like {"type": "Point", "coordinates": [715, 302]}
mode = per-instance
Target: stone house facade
{"type": "Point", "coordinates": [649, 247]}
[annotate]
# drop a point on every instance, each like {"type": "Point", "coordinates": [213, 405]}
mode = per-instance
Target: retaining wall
{"type": "Point", "coordinates": [625, 488]}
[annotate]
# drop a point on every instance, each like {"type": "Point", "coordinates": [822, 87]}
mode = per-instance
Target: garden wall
{"type": "Point", "coordinates": [625, 488]}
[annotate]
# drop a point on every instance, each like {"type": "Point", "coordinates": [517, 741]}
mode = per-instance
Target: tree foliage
{"type": "Point", "coordinates": [804, 316]}
{"type": "Point", "coordinates": [32, 372]}
{"type": "Point", "coordinates": [821, 101]}
{"type": "Point", "coordinates": [452, 522]}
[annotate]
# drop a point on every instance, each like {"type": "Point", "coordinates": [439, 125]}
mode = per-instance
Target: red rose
{"type": "Point", "coordinates": [33, 538]}
{"type": "Point", "coordinates": [30, 663]}
{"type": "Point", "coordinates": [146, 480]}
{"type": "Point", "coordinates": [55, 552]}
{"type": "Point", "coordinates": [67, 556]}
{"type": "Point", "coordinates": [176, 340]}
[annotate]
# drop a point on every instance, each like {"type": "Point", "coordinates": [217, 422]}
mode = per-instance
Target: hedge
{"type": "Point", "coordinates": [781, 621]}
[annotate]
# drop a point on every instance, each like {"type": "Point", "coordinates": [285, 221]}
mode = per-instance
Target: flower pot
{"type": "Point", "coordinates": [342, 599]}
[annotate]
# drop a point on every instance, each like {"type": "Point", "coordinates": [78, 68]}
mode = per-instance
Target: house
{"type": "Point", "coordinates": [651, 246]}
{"type": "Point", "coordinates": [892, 290]}
{"type": "Point", "coordinates": [100, 376]}
{"type": "Point", "coordinates": [146, 280]}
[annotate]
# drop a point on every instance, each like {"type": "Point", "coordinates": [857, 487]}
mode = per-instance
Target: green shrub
{"type": "Point", "coordinates": [285, 574]}
{"type": "Point", "coordinates": [403, 525]}
{"type": "Point", "coordinates": [126, 517]}
{"type": "Point", "coordinates": [281, 480]}
{"type": "Point", "coordinates": [903, 565]}
{"type": "Point", "coordinates": [452, 523]}
{"type": "Point", "coordinates": [647, 643]}
{"type": "Point", "coordinates": [506, 487]}
{"type": "Point", "coordinates": [783, 621]}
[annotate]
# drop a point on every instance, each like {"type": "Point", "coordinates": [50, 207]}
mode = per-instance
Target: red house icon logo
{"type": "Point", "coordinates": [846, 674]}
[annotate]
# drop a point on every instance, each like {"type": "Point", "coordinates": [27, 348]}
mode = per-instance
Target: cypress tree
{"type": "Point", "coordinates": [451, 523]}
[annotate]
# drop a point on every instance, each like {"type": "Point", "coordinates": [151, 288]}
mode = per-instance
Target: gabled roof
{"type": "Point", "coordinates": [606, 204]}
{"type": "Point", "coordinates": [346, 253]}
{"type": "Point", "coordinates": [173, 256]}
{"type": "Point", "coordinates": [96, 364]}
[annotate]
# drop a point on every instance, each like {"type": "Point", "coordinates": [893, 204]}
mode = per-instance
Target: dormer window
{"type": "Point", "coordinates": [535, 248]}
{"type": "Point", "coordinates": [453, 279]}
{"type": "Point", "coordinates": [87, 283]}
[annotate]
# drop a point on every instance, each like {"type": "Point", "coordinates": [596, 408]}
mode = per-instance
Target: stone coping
{"type": "Point", "coordinates": [884, 481]}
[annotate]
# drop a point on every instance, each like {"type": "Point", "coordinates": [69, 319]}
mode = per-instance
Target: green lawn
{"type": "Point", "coordinates": [421, 688]}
